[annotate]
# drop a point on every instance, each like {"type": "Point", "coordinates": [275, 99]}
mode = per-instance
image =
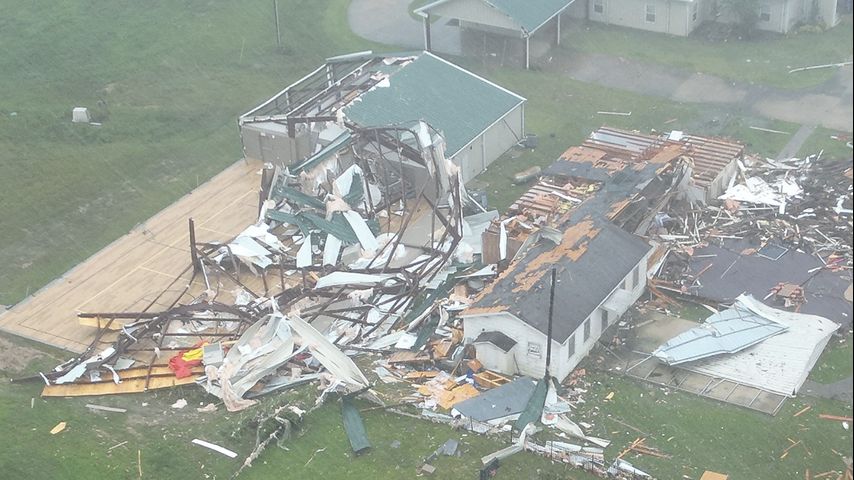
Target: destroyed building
{"type": "Point", "coordinates": [582, 217]}
{"type": "Point", "coordinates": [478, 119]}
{"type": "Point", "coordinates": [781, 234]}
{"type": "Point", "coordinates": [713, 161]}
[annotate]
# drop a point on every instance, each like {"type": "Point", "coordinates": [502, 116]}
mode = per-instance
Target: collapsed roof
{"type": "Point", "coordinates": [588, 242]}
{"type": "Point", "coordinates": [371, 90]}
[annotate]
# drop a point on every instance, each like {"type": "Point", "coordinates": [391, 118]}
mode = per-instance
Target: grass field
{"type": "Point", "coordinates": [821, 141]}
{"type": "Point", "coordinates": [562, 112]}
{"type": "Point", "coordinates": [162, 435]}
{"type": "Point", "coordinates": [766, 60]}
{"type": "Point", "coordinates": [836, 363]}
{"type": "Point", "coordinates": [171, 82]}
{"type": "Point", "coordinates": [703, 435]}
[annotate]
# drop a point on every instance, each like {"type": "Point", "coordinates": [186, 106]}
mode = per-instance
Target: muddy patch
{"type": "Point", "coordinates": [14, 358]}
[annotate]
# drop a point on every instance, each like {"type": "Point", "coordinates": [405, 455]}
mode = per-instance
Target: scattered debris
{"type": "Point", "coordinates": [105, 409]}
{"type": "Point", "coordinates": [228, 453]}
{"type": "Point", "coordinates": [58, 428]}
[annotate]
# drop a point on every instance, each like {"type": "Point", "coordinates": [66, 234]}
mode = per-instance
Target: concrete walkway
{"type": "Point", "coordinates": [830, 105]}
{"type": "Point", "coordinates": [792, 148]}
{"type": "Point", "coordinates": [841, 390]}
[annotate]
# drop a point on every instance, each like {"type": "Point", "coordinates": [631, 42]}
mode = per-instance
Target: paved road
{"type": "Point", "coordinates": [830, 105]}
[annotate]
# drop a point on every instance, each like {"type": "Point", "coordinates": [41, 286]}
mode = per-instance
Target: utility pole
{"type": "Point", "coordinates": [278, 32]}
{"type": "Point", "coordinates": [549, 330]}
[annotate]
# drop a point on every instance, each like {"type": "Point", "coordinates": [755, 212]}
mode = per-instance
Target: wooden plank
{"type": "Point", "coordinates": [136, 385]}
{"type": "Point", "coordinates": [825, 416]}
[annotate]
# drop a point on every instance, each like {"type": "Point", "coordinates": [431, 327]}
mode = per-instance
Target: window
{"type": "Point", "coordinates": [606, 316]}
{"type": "Point", "coordinates": [650, 13]}
{"type": "Point", "coordinates": [764, 12]}
{"type": "Point", "coordinates": [624, 285]}
{"type": "Point", "coordinates": [636, 276]}
{"type": "Point", "coordinates": [694, 9]}
{"type": "Point", "coordinates": [586, 330]}
{"type": "Point", "coordinates": [534, 350]}
{"type": "Point", "coordinates": [599, 6]}
{"type": "Point", "coordinates": [570, 346]}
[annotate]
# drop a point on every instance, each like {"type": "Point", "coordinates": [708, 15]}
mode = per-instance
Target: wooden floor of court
{"type": "Point", "coordinates": [128, 274]}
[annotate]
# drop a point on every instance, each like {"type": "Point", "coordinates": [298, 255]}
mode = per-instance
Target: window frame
{"type": "Point", "coordinates": [586, 331]}
{"type": "Point", "coordinates": [570, 347]}
{"type": "Point", "coordinates": [605, 319]}
{"type": "Point", "coordinates": [765, 12]}
{"type": "Point", "coordinates": [535, 350]}
{"type": "Point", "coordinates": [647, 13]}
{"type": "Point", "coordinates": [599, 7]}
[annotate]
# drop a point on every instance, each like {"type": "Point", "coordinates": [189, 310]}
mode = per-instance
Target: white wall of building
{"type": "Point", "coordinates": [491, 144]}
{"type": "Point", "coordinates": [529, 354]}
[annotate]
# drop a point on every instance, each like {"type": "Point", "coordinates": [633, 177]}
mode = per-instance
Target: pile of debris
{"type": "Point", "coordinates": [782, 233]}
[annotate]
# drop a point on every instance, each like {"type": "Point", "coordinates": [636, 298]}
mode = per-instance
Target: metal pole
{"type": "Point", "coordinates": [278, 32]}
{"type": "Point", "coordinates": [193, 253]}
{"type": "Point", "coordinates": [551, 315]}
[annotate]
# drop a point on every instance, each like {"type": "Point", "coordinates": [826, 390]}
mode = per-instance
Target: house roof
{"type": "Point", "coordinates": [530, 15]}
{"type": "Point", "coordinates": [709, 155]}
{"type": "Point", "coordinates": [452, 100]}
{"type": "Point", "coordinates": [594, 254]}
{"type": "Point", "coordinates": [593, 257]}
{"type": "Point", "coordinates": [498, 339]}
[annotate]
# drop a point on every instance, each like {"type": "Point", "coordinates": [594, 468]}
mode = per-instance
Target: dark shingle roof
{"type": "Point", "coordinates": [452, 100]}
{"type": "Point", "coordinates": [606, 254]}
{"type": "Point", "coordinates": [593, 257]}
{"type": "Point", "coordinates": [498, 339]}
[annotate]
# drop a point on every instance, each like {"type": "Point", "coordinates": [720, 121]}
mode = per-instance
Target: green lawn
{"type": "Point", "coordinates": [562, 113]}
{"type": "Point", "coordinates": [821, 141]}
{"type": "Point", "coordinates": [836, 363]}
{"type": "Point", "coordinates": [162, 435]}
{"type": "Point", "coordinates": [702, 434]}
{"type": "Point", "coordinates": [765, 61]}
{"type": "Point", "coordinates": [174, 80]}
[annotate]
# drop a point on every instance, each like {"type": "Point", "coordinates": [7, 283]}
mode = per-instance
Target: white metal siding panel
{"type": "Point", "coordinates": [503, 135]}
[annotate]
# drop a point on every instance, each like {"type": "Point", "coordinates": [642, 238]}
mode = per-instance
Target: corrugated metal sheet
{"type": "Point", "coordinates": [728, 331]}
{"type": "Point", "coordinates": [779, 364]}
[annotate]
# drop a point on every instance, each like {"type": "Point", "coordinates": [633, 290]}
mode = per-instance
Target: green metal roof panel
{"type": "Point", "coordinates": [334, 147]}
{"type": "Point", "coordinates": [530, 14]}
{"type": "Point", "coordinates": [454, 101]}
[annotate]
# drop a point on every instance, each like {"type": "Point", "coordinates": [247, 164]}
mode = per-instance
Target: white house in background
{"type": "Point", "coordinates": [601, 263]}
{"type": "Point", "coordinates": [681, 17]}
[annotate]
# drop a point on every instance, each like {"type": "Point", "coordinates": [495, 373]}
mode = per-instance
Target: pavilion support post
{"type": "Point", "coordinates": [527, 54]}
{"type": "Point", "coordinates": [427, 40]}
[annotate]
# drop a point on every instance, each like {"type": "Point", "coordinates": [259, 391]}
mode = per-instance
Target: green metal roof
{"type": "Point", "coordinates": [528, 14]}
{"type": "Point", "coordinates": [454, 101]}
